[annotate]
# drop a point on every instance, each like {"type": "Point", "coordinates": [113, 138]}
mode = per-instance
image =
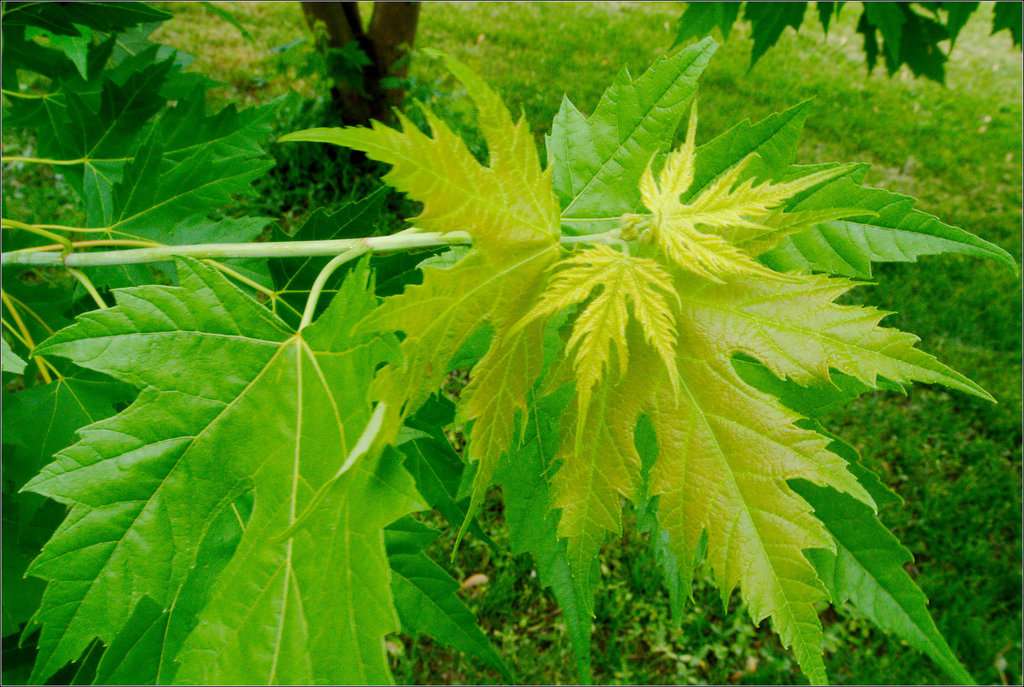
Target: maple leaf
{"type": "Point", "coordinates": [619, 280]}
{"type": "Point", "coordinates": [511, 213]}
{"type": "Point", "coordinates": [233, 401]}
{"type": "Point", "coordinates": [703, 235]}
{"type": "Point", "coordinates": [725, 451]}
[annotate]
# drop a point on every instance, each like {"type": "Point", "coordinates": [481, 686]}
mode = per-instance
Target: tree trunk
{"type": "Point", "coordinates": [387, 44]}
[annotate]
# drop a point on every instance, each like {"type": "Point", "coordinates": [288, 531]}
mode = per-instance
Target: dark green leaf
{"type": "Point", "coordinates": [1008, 17]}
{"type": "Point", "coordinates": [533, 526]}
{"type": "Point", "coordinates": [700, 18]}
{"type": "Point", "coordinates": [426, 599]}
{"type": "Point", "coordinates": [957, 14]}
{"type": "Point", "coordinates": [436, 467]}
{"type": "Point", "coordinates": [888, 19]}
{"type": "Point", "coordinates": [825, 12]}
{"type": "Point", "coordinates": [768, 20]}
{"type": "Point", "coordinates": [920, 49]}
{"type": "Point", "coordinates": [897, 233]}
{"type": "Point", "coordinates": [867, 569]}
{"type": "Point", "coordinates": [598, 161]}
{"type": "Point", "coordinates": [60, 18]}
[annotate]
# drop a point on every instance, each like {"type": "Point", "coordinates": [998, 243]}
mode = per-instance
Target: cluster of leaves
{"type": "Point", "coordinates": [151, 167]}
{"type": "Point", "coordinates": [910, 33]}
{"type": "Point", "coordinates": [646, 323]}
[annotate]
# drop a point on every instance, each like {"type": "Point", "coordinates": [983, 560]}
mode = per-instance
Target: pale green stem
{"type": "Point", "coordinates": [87, 244]}
{"type": "Point", "coordinates": [26, 96]}
{"type": "Point", "coordinates": [42, 160]}
{"type": "Point", "coordinates": [27, 337]}
{"type": "Point", "coordinates": [84, 280]}
{"type": "Point", "coordinates": [62, 240]}
{"type": "Point", "coordinates": [321, 279]}
{"type": "Point", "coordinates": [279, 249]}
{"type": "Point", "coordinates": [406, 240]}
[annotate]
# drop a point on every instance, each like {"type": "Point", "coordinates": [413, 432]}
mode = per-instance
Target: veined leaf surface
{"type": "Point", "coordinates": [232, 402]}
{"type": "Point", "coordinates": [617, 282]}
{"type": "Point", "coordinates": [510, 211]}
{"type": "Point", "coordinates": [725, 449]}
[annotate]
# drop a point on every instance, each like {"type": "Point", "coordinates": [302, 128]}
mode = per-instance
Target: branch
{"type": "Point", "coordinates": [279, 249]}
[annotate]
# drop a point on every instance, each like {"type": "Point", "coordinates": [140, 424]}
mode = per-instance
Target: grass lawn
{"type": "Point", "coordinates": [956, 461]}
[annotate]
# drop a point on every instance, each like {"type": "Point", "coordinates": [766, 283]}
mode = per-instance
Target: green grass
{"type": "Point", "coordinates": [956, 461]}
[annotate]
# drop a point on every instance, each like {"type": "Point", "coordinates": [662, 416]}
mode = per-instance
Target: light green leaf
{"type": "Point", "coordinates": [811, 401]}
{"type": "Point", "coordinates": [144, 652]}
{"type": "Point", "coordinates": [511, 213]}
{"type": "Point", "coordinates": [774, 139]}
{"type": "Point", "coordinates": [313, 607]}
{"type": "Point", "coordinates": [509, 202]}
{"type": "Point", "coordinates": [895, 233]}
{"type": "Point", "coordinates": [723, 457]}
{"type": "Point", "coordinates": [9, 360]}
{"type": "Point", "coordinates": [232, 401]}
{"type": "Point", "coordinates": [797, 331]}
{"type": "Point", "coordinates": [440, 314]}
{"type": "Point", "coordinates": [599, 461]}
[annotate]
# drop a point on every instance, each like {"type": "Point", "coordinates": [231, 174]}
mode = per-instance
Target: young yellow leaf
{"type": "Point", "coordinates": [725, 449]}
{"type": "Point", "coordinates": [502, 379]}
{"type": "Point", "coordinates": [438, 315]}
{"type": "Point", "coordinates": [599, 461]}
{"type": "Point", "coordinates": [725, 453]}
{"type": "Point", "coordinates": [509, 203]}
{"type": "Point", "coordinates": [600, 327]}
{"type": "Point", "coordinates": [703, 235]}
